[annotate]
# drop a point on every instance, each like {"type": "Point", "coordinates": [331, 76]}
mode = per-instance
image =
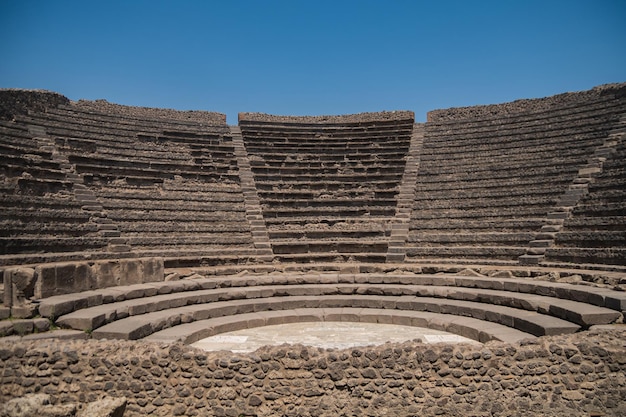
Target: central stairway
{"type": "Point", "coordinates": [328, 186]}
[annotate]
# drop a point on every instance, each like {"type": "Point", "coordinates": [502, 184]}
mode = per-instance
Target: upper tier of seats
{"type": "Point", "coordinates": [491, 179]}
{"type": "Point", "coordinates": [328, 185]}
{"type": "Point", "coordinates": [532, 181]}
{"type": "Point", "coordinates": [103, 178]}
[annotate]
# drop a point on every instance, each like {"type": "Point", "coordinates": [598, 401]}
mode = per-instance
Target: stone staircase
{"type": "Point", "coordinates": [105, 227]}
{"type": "Point", "coordinates": [400, 226]}
{"type": "Point", "coordinates": [254, 214]}
{"type": "Point", "coordinates": [553, 223]}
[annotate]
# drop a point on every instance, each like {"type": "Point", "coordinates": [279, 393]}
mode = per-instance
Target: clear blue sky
{"type": "Point", "coordinates": [311, 57]}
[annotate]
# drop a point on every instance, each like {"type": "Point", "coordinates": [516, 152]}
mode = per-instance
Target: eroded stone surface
{"type": "Point", "coordinates": [575, 375]}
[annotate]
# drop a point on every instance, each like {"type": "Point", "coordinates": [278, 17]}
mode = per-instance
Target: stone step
{"type": "Point", "coordinates": [141, 325]}
{"type": "Point", "coordinates": [94, 317]}
{"type": "Point", "coordinates": [463, 326]}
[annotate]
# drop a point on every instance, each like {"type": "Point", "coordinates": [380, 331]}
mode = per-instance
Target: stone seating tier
{"type": "Point", "coordinates": [452, 295]}
{"type": "Point", "coordinates": [313, 121]}
{"type": "Point", "coordinates": [608, 93]}
{"type": "Point", "coordinates": [102, 107]}
{"type": "Point", "coordinates": [464, 326]}
{"type": "Point", "coordinates": [511, 131]}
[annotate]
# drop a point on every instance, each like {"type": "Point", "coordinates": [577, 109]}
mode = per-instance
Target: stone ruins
{"type": "Point", "coordinates": [129, 233]}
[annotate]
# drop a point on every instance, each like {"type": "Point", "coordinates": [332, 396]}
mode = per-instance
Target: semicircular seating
{"type": "Point", "coordinates": [458, 224]}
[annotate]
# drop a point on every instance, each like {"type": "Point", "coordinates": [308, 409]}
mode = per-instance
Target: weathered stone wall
{"type": "Point", "coordinates": [198, 116]}
{"type": "Point", "coordinates": [384, 116]}
{"type": "Point", "coordinates": [16, 101]}
{"type": "Point", "coordinates": [71, 277]}
{"type": "Point", "coordinates": [575, 375]}
{"type": "Point", "coordinates": [526, 105]}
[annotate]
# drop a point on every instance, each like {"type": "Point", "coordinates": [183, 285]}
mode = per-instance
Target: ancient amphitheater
{"type": "Point", "coordinates": [129, 233]}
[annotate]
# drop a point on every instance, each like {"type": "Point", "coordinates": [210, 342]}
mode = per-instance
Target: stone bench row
{"type": "Point", "coordinates": [361, 194]}
{"type": "Point", "coordinates": [12, 169]}
{"type": "Point", "coordinates": [343, 245]}
{"type": "Point", "coordinates": [372, 211]}
{"type": "Point", "coordinates": [146, 176]}
{"type": "Point", "coordinates": [55, 306]}
{"type": "Point", "coordinates": [586, 111]}
{"type": "Point", "coordinates": [461, 225]}
{"type": "Point", "coordinates": [134, 164]}
{"type": "Point", "coordinates": [331, 185]}
{"type": "Point", "coordinates": [11, 227]}
{"type": "Point", "coordinates": [518, 145]}
{"type": "Point", "coordinates": [328, 203]}
{"type": "Point", "coordinates": [191, 195]}
{"type": "Point", "coordinates": [600, 209]}
{"type": "Point", "coordinates": [364, 232]}
{"type": "Point", "coordinates": [551, 132]}
{"type": "Point", "coordinates": [491, 203]}
{"type": "Point", "coordinates": [485, 114]}
{"type": "Point", "coordinates": [316, 223]}
{"type": "Point", "coordinates": [119, 114]}
{"type": "Point", "coordinates": [142, 325]}
{"type": "Point", "coordinates": [350, 145]}
{"type": "Point", "coordinates": [285, 158]}
{"type": "Point", "coordinates": [315, 153]}
{"type": "Point", "coordinates": [329, 178]}
{"type": "Point", "coordinates": [128, 114]}
{"type": "Point", "coordinates": [583, 255]}
{"type": "Point", "coordinates": [166, 205]}
{"type": "Point", "coordinates": [475, 237]}
{"type": "Point", "coordinates": [58, 193]}
{"type": "Point", "coordinates": [440, 165]}
{"type": "Point", "coordinates": [172, 215]}
{"type": "Point", "coordinates": [325, 131]}
{"type": "Point", "coordinates": [185, 226]}
{"type": "Point", "coordinates": [592, 239]}
{"type": "Point", "coordinates": [471, 328]}
{"type": "Point", "coordinates": [492, 193]}
{"type": "Point", "coordinates": [475, 301]}
{"type": "Point", "coordinates": [115, 129]}
{"type": "Point", "coordinates": [376, 169]}
{"type": "Point", "coordinates": [479, 254]}
{"type": "Point", "coordinates": [150, 157]}
{"type": "Point", "coordinates": [582, 223]}
{"type": "Point", "coordinates": [482, 213]}
{"type": "Point", "coordinates": [372, 163]}
{"type": "Point", "coordinates": [563, 113]}
{"type": "Point", "coordinates": [50, 243]}
{"type": "Point", "coordinates": [27, 155]}
{"type": "Point", "coordinates": [540, 180]}
{"type": "Point", "coordinates": [43, 211]}
{"type": "Point", "coordinates": [311, 258]}
{"type": "Point", "coordinates": [486, 164]}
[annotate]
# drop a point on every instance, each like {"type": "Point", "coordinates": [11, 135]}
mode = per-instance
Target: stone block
{"type": "Point", "coordinates": [8, 288]}
{"type": "Point", "coordinates": [45, 281]}
{"type": "Point", "coordinates": [24, 311]}
{"type": "Point", "coordinates": [153, 269]}
{"type": "Point", "coordinates": [66, 278]}
{"type": "Point", "coordinates": [107, 273]}
{"type": "Point", "coordinates": [131, 271]}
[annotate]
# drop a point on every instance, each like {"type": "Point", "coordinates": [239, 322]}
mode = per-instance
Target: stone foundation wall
{"type": "Point", "coordinates": [198, 116]}
{"type": "Point", "coordinates": [16, 101]}
{"type": "Point", "coordinates": [576, 375]}
{"type": "Point", "coordinates": [527, 105]}
{"type": "Point", "coordinates": [384, 116]}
